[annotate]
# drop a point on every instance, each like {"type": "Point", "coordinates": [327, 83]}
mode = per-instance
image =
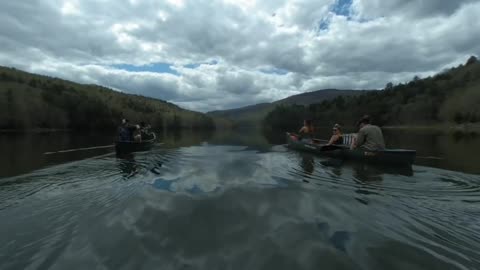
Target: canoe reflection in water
{"type": "Point", "coordinates": [307, 163]}
{"type": "Point", "coordinates": [127, 164]}
{"type": "Point", "coordinates": [361, 171]}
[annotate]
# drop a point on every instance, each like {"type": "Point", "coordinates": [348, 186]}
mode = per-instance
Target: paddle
{"type": "Point", "coordinates": [436, 158]}
{"type": "Point", "coordinates": [79, 149]}
{"type": "Point", "coordinates": [318, 141]}
{"type": "Point", "coordinates": [329, 147]}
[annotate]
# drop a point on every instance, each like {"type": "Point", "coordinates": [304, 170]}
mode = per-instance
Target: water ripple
{"type": "Point", "coordinates": [232, 207]}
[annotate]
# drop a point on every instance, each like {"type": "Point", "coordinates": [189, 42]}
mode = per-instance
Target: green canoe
{"type": "Point", "coordinates": [129, 146]}
{"type": "Point", "coordinates": [387, 156]}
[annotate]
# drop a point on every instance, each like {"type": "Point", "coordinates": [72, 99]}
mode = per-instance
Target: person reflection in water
{"type": "Point", "coordinates": [367, 173]}
{"type": "Point", "coordinates": [127, 164]}
{"type": "Point", "coordinates": [307, 163]}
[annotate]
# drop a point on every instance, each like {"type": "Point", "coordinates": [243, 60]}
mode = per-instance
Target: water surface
{"type": "Point", "coordinates": [238, 201]}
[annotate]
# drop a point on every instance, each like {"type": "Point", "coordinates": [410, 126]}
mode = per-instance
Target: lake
{"type": "Point", "coordinates": [236, 200]}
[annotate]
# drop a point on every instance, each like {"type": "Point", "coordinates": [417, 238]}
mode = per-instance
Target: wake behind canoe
{"type": "Point", "coordinates": [388, 156]}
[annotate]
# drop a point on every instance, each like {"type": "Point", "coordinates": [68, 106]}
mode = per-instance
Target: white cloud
{"type": "Point", "coordinates": [176, 3]}
{"type": "Point", "coordinates": [70, 8]}
{"type": "Point", "coordinates": [262, 50]}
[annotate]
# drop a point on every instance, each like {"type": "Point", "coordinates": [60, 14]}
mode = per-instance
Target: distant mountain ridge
{"type": "Point", "coordinates": [318, 96]}
{"type": "Point", "coordinates": [255, 113]}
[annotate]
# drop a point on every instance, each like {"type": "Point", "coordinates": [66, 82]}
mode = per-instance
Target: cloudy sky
{"type": "Point", "coordinates": [218, 54]}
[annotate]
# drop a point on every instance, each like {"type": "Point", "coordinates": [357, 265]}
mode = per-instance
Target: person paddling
{"type": "Point", "coordinates": [306, 132]}
{"type": "Point", "coordinates": [124, 133]}
{"type": "Point", "coordinates": [369, 137]}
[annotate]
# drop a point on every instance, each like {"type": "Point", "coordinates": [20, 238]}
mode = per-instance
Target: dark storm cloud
{"type": "Point", "coordinates": [237, 83]}
{"type": "Point", "coordinates": [409, 8]}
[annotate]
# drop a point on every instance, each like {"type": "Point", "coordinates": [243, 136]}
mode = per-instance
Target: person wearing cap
{"type": "Point", "coordinates": [369, 137]}
{"type": "Point", "coordinates": [337, 137]}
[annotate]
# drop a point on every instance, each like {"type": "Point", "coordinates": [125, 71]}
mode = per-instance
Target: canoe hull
{"type": "Point", "coordinates": [128, 147]}
{"type": "Point", "coordinates": [388, 156]}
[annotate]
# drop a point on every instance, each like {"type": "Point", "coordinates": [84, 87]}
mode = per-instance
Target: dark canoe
{"type": "Point", "coordinates": [128, 147]}
{"type": "Point", "coordinates": [387, 156]}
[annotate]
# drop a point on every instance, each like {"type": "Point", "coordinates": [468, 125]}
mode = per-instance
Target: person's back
{"type": "Point", "coordinates": [306, 132]}
{"type": "Point", "coordinates": [124, 133]}
{"type": "Point", "coordinates": [370, 137]}
{"type": "Point", "coordinates": [137, 134]}
{"type": "Point", "coordinates": [146, 134]}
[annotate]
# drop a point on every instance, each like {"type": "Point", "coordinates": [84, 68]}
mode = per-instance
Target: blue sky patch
{"type": "Point", "coordinates": [213, 62]}
{"type": "Point", "coordinates": [155, 67]}
{"type": "Point", "coordinates": [324, 24]}
{"type": "Point", "coordinates": [342, 7]}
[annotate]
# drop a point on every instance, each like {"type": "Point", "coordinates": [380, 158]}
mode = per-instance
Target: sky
{"type": "Point", "coordinates": [209, 55]}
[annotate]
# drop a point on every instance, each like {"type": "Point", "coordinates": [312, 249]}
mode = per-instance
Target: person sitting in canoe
{"type": "Point", "coordinates": [145, 131]}
{"type": "Point", "coordinates": [337, 137]}
{"type": "Point", "coordinates": [125, 131]}
{"type": "Point", "coordinates": [137, 134]}
{"type": "Point", "coordinates": [369, 137]}
{"type": "Point", "coordinates": [306, 132]}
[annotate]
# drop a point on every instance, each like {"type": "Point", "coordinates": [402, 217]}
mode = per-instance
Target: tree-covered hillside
{"type": "Point", "coordinates": [254, 114]}
{"type": "Point", "coordinates": [29, 101]}
{"type": "Point", "coordinates": [452, 96]}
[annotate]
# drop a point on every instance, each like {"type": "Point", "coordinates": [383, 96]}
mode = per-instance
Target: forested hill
{"type": "Point", "coordinates": [452, 96]}
{"type": "Point", "coordinates": [29, 101]}
{"type": "Point", "coordinates": [254, 114]}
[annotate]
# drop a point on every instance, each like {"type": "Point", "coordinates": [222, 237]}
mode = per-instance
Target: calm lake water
{"type": "Point", "coordinates": [236, 200]}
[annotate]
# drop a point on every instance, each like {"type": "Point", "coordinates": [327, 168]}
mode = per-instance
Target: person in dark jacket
{"type": "Point", "coordinates": [125, 131]}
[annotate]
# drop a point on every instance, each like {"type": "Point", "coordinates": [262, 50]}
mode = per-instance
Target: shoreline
{"type": "Point", "coordinates": [58, 130]}
{"type": "Point", "coordinates": [34, 130]}
{"type": "Point", "coordinates": [463, 128]}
